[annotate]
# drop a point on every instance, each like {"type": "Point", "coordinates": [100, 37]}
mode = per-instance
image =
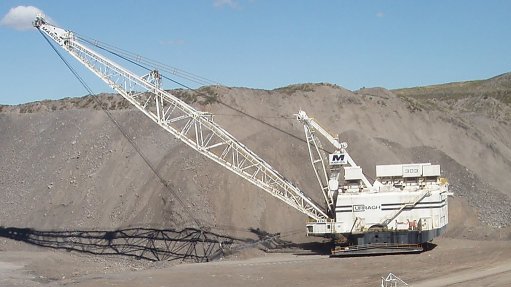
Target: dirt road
{"type": "Point", "coordinates": [498, 275]}
{"type": "Point", "coordinates": [453, 262]}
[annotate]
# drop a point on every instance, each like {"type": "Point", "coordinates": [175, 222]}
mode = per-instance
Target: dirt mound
{"type": "Point", "coordinates": [375, 92]}
{"type": "Point", "coordinates": [67, 167]}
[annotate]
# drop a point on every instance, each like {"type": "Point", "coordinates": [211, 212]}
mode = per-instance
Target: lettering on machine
{"type": "Point", "coordinates": [361, 207]}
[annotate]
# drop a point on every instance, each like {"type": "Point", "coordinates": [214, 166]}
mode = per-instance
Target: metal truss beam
{"type": "Point", "coordinates": [195, 128]}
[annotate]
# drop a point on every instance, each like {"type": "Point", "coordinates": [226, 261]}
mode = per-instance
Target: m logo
{"type": "Point", "coordinates": [337, 159]}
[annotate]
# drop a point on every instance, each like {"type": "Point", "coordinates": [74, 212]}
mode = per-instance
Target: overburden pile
{"type": "Point", "coordinates": [66, 166]}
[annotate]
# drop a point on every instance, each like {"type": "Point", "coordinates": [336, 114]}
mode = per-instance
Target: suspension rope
{"type": "Point", "coordinates": [138, 61]}
{"type": "Point", "coordinates": [153, 63]}
{"type": "Point", "coordinates": [200, 226]}
{"type": "Point", "coordinates": [142, 62]}
{"type": "Point", "coordinates": [124, 133]}
{"type": "Point", "coordinates": [204, 95]}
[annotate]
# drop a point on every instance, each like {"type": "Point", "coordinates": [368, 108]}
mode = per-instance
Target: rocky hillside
{"type": "Point", "coordinates": [65, 165]}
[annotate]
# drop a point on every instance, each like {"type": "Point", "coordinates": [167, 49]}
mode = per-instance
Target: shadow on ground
{"type": "Point", "coordinates": [272, 242]}
{"type": "Point", "coordinates": [189, 244]}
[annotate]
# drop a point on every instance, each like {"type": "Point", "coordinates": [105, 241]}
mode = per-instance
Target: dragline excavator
{"type": "Point", "coordinates": [404, 208]}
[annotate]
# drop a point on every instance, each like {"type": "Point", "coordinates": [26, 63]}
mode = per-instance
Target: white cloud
{"type": "Point", "coordinates": [21, 17]}
{"type": "Point", "coordinates": [229, 3]}
{"type": "Point", "coordinates": [380, 14]}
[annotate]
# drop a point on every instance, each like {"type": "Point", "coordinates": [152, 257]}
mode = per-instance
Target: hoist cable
{"type": "Point", "coordinates": [123, 132]}
{"type": "Point", "coordinates": [139, 61]}
{"type": "Point", "coordinates": [67, 64]}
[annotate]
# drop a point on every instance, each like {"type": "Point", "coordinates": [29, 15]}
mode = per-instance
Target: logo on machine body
{"type": "Point", "coordinates": [363, 207]}
{"type": "Point", "coordinates": [337, 159]}
{"type": "Point", "coordinates": [53, 34]}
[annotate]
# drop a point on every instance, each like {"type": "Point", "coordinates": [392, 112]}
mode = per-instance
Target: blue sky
{"type": "Point", "coordinates": [268, 44]}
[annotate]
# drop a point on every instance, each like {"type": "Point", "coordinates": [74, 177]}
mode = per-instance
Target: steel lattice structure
{"type": "Point", "coordinates": [195, 128]}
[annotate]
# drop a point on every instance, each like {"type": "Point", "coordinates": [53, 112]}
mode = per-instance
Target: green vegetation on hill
{"type": "Point", "coordinates": [491, 97]}
{"type": "Point", "coordinates": [498, 88]}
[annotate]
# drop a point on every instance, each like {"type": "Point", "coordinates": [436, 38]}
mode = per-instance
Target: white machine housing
{"type": "Point", "coordinates": [404, 197]}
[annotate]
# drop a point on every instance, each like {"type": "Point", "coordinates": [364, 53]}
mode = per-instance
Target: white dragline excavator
{"type": "Point", "coordinates": [404, 208]}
